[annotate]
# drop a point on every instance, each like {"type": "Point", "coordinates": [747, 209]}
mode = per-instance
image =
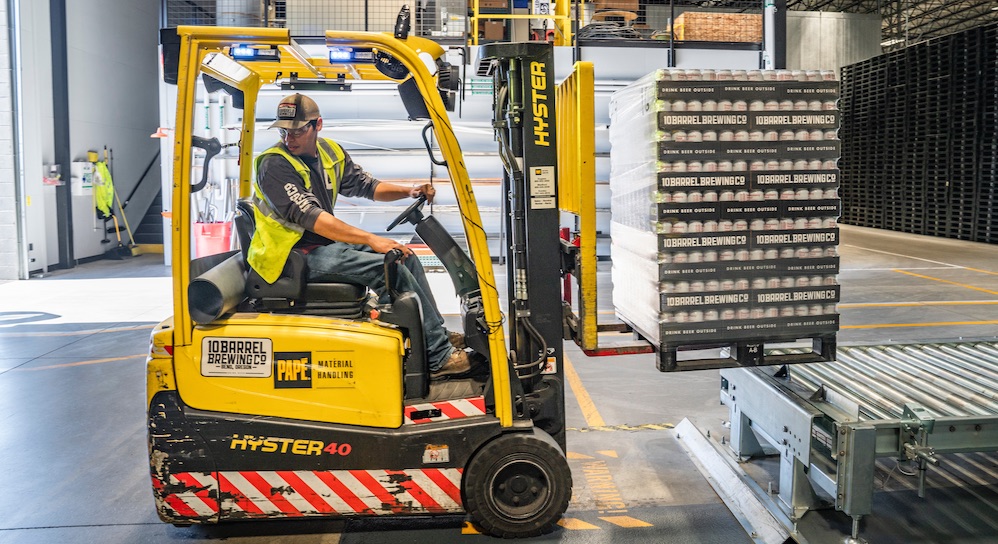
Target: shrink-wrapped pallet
{"type": "Point", "coordinates": [724, 206]}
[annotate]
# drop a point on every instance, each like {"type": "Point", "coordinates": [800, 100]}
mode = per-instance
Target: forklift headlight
{"type": "Point", "coordinates": [248, 53]}
{"type": "Point", "coordinates": [351, 55]}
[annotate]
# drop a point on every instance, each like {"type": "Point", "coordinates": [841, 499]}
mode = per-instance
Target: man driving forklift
{"type": "Point", "coordinates": [298, 180]}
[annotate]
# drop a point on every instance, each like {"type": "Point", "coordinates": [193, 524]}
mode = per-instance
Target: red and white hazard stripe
{"type": "Point", "coordinates": [449, 409]}
{"type": "Point", "coordinates": [195, 501]}
{"type": "Point", "coordinates": [248, 494]}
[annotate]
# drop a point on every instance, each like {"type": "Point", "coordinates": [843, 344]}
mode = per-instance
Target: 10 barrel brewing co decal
{"type": "Point", "coordinates": [236, 357]}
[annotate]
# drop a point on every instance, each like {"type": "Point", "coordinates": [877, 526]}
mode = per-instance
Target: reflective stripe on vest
{"type": "Point", "coordinates": [275, 237]}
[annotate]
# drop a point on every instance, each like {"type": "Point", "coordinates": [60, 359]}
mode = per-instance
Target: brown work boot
{"type": "Point", "coordinates": [456, 339]}
{"type": "Point", "coordinates": [457, 363]}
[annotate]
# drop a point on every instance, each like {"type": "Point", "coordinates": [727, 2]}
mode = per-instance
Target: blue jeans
{"type": "Point", "coordinates": [358, 263]}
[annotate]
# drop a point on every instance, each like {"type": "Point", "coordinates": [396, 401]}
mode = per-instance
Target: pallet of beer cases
{"type": "Point", "coordinates": [724, 214]}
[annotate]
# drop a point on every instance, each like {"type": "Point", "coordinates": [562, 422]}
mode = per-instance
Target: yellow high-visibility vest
{"type": "Point", "coordinates": [275, 237]}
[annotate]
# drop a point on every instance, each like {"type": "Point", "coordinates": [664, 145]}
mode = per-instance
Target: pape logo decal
{"type": "Point", "coordinates": [292, 370]}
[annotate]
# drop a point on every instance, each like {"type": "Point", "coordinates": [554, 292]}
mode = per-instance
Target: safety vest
{"type": "Point", "coordinates": [275, 237]}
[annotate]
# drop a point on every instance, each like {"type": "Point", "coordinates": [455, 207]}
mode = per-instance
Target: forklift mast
{"type": "Point", "coordinates": [524, 122]}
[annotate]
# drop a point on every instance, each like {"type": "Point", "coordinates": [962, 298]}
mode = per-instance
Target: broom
{"type": "Point", "coordinates": [132, 249]}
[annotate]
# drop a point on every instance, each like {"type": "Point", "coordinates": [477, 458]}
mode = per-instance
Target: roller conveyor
{"type": "Point", "coordinates": [830, 422]}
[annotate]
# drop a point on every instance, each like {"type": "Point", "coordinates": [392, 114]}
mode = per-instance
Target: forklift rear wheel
{"type": "Point", "coordinates": [518, 485]}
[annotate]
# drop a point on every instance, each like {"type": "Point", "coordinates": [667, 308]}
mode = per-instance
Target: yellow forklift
{"type": "Point", "coordinates": [298, 399]}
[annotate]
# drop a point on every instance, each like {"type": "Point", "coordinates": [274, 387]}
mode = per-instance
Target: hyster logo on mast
{"type": "Point", "coordinates": [538, 86]}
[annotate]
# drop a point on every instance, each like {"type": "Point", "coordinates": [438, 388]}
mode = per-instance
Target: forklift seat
{"type": "Point", "coordinates": [292, 290]}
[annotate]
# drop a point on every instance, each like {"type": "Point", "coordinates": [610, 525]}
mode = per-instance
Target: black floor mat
{"type": "Point", "coordinates": [454, 389]}
{"type": "Point", "coordinates": [459, 386]}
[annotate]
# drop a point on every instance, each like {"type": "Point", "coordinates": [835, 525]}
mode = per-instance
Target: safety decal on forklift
{"type": "Point", "coordinates": [436, 453]}
{"type": "Point", "coordinates": [444, 410]}
{"type": "Point", "coordinates": [236, 357]}
{"type": "Point", "coordinates": [542, 188]}
{"type": "Point", "coordinates": [551, 366]}
{"type": "Point", "coordinates": [257, 494]}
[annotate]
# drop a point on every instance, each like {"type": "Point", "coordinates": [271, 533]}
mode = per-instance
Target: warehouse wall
{"type": "Point", "coordinates": [113, 102]}
{"type": "Point", "coordinates": [112, 70]}
{"type": "Point", "coordinates": [9, 255]}
{"type": "Point", "coordinates": [829, 41]}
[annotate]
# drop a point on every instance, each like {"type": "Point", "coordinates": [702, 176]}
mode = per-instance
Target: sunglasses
{"type": "Point", "coordinates": [297, 132]}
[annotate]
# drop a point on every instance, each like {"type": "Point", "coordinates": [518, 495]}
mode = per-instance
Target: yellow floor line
{"type": "Point", "coordinates": [981, 271]}
{"type": "Point", "coordinates": [469, 529]}
{"type": "Point", "coordinates": [988, 291]}
{"type": "Point", "coordinates": [625, 521]}
{"type": "Point", "coordinates": [81, 363]}
{"type": "Point", "coordinates": [593, 419]}
{"type": "Point", "coordinates": [611, 428]}
{"type": "Point", "coordinates": [573, 524]}
{"type": "Point", "coordinates": [937, 324]}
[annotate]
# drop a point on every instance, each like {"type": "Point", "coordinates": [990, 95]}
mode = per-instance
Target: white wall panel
{"type": "Point", "coordinates": [10, 248]}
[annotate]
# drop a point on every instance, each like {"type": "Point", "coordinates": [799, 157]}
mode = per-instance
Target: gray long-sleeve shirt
{"type": "Point", "coordinates": [286, 191]}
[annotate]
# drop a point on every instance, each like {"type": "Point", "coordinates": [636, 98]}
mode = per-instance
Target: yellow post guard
{"type": "Point", "coordinates": [577, 182]}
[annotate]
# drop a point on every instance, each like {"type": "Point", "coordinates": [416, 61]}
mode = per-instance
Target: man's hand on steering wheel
{"type": "Point", "coordinates": [384, 245]}
{"type": "Point", "coordinates": [424, 189]}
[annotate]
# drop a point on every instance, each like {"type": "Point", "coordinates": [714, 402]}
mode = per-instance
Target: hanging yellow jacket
{"type": "Point", "coordinates": [103, 189]}
{"type": "Point", "coordinates": [275, 237]}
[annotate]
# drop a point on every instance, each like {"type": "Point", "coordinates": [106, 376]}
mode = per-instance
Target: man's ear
{"type": "Point", "coordinates": [318, 124]}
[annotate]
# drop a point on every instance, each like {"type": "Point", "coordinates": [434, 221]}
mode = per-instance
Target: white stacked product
{"type": "Point", "coordinates": [724, 205]}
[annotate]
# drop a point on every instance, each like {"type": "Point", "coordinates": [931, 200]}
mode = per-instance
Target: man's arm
{"type": "Point", "coordinates": [389, 192]}
{"type": "Point", "coordinates": [329, 226]}
{"type": "Point", "coordinates": [358, 182]}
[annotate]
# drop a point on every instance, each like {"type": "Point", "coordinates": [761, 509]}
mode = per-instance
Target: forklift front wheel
{"type": "Point", "coordinates": [518, 485]}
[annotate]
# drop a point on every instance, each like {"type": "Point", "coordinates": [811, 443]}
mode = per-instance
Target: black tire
{"type": "Point", "coordinates": [518, 485]}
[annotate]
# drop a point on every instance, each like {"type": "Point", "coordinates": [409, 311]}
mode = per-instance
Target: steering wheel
{"type": "Point", "coordinates": [410, 214]}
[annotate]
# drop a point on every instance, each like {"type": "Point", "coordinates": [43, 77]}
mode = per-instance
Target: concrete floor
{"type": "Point", "coordinates": [73, 465]}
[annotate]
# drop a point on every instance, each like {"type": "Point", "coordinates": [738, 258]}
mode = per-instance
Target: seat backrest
{"type": "Point", "coordinates": [290, 285]}
{"type": "Point", "coordinates": [245, 224]}
{"type": "Point", "coordinates": [338, 299]}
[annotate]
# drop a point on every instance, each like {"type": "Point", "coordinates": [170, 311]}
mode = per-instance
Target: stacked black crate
{"type": "Point", "coordinates": [987, 201]}
{"type": "Point", "coordinates": [863, 164]}
{"type": "Point", "coordinates": [938, 133]}
{"type": "Point", "coordinates": [925, 136]}
{"type": "Point", "coordinates": [900, 189]}
{"type": "Point", "coordinates": [724, 210]}
{"type": "Point", "coordinates": [963, 129]}
{"type": "Point", "coordinates": [851, 111]}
